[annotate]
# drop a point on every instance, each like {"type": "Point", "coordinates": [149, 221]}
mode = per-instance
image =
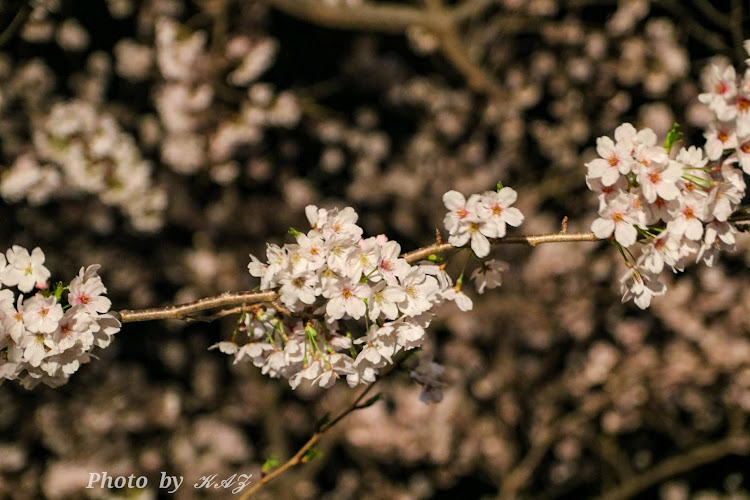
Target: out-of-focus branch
{"type": "Point", "coordinates": [733, 445]}
{"type": "Point", "coordinates": [712, 13]}
{"type": "Point", "coordinates": [737, 16]}
{"type": "Point", "coordinates": [393, 18]}
{"type": "Point", "coordinates": [458, 55]}
{"type": "Point", "coordinates": [520, 474]}
{"type": "Point", "coordinates": [7, 34]}
{"type": "Point", "coordinates": [382, 17]}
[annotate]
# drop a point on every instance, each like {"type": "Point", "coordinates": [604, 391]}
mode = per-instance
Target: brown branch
{"type": "Point", "coordinates": [183, 311]}
{"type": "Point", "coordinates": [697, 457]}
{"type": "Point", "coordinates": [533, 240]}
{"type": "Point", "coordinates": [298, 457]}
{"type": "Point", "coordinates": [191, 310]}
{"type": "Point", "coordinates": [384, 18]}
{"type": "Point", "coordinates": [7, 34]}
{"type": "Point", "coordinates": [394, 18]}
{"type": "Point", "coordinates": [454, 50]}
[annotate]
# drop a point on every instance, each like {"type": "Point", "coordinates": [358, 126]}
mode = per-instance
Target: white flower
{"type": "Point", "coordinates": [23, 269]}
{"type": "Point", "coordinates": [460, 211]}
{"type": "Point", "coordinates": [719, 136]}
{"type": "Point", "coordinates": [615, 160]}
{"type": "Point", "coordinates": [345, 297]}
{"type": "Point", "coordinates": [344, 224]}
{"type": "Point", "coordinates": [302, 286]}
{"type": "Point", "coordinates": [489, 274]}
{"type": "Point", "coordinates": [722, 86]}
{"type": "Point", "coordinates": [313, 249]}
{"type": "Point", "coordinates": [687, 219]}
{"type": "Point", "coordinates": [619, 218]}
{"type": "Point", "coordinates": [660, 180]}
{"type": "Point", "coordinates": [419, 289]}
{"type": "Point", "coordinates": [460, 298]}
{"type": "Point", "coordinates": [389, 263]}
{"type": "Point", "coordinates": [640, 285]}
{"type": "Point", "coordinates": [42, 315]}
{"type": "Point", "coordinates": [362, 259]}
{"type": "Point", "coordinates": [380, 346]}
{"type": "Point", "coordinates": [477, 232]}
{"type": "Point", "coordinates": [498, 203]}
{"type": "Point", "coordinates": [384, 300]}
{"type": "Point", "coordinates": [87, 290]}
{"type": "Point", "coordinates": [663, 249]}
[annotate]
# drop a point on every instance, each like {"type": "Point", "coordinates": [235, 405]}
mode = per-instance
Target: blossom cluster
{"type": "Point", "coordinates": [42, 339]}
{"type": "Point", "coordinates": [480, 217]}
{"type": "Point", "coordinates": [79, 150]}
{"type": "Point", "coordinates": [332, 275]}
{"type": "Point", "coordinates": [675, 207]}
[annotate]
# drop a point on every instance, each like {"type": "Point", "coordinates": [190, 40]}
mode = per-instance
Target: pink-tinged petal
{"type": "Point", "coordinates": [625, 234]}
{"type": "Point", "coordinates": [694, 230]}
{"type": "Point", "coordinates": [480, 244]}
{"type": "Point", "coordinates": [603, 228]}
{"type": "Point", "coordinates": [610, 176]}
{"type": "Point", "coordinates": [605, 147]}
{"type": "Point", "coordinates": [625, 132]}
{"type": "Point", "coordinates": [453, 200]}
{"type": "Point", "coordinates": [513, 216]}
{"type": "Point", "coordinates": [356, 308]}
{"type": "Point", "coordinates": [668, 191]}
{"type": "Point", "coordinates": [597, 168]}
{"type": "Point", "coordinates": [460, 239]}
{"type": "Point", "coordinates": [507, 196]}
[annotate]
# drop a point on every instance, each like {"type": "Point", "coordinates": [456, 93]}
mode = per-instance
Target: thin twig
{"type": "Point", "coordinates": [298, 457]}
{"type": "Point", "coordinates": [15, 24]}
{"type": "Point", "coordinates": [191, 310]}
{"type": "Point", "coordinates": [183, 311]}
{"type": "Point", "coordinates": [533, 240]}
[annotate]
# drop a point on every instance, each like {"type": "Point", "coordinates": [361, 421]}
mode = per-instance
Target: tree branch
{"type": "Point", "coordinates": [382, 17]}
{"type": "Point", "coordinates": [191, 310]}
{"type": "Point", "coordinates": [298, 457]}
{"type": "Point", "coordinates": [697, 457]}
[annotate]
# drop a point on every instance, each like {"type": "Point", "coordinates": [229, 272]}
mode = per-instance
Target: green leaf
{"type": "Point", "coordinates": [269, 464]}
{"type": "Point", "coordinates": [294, 232]}
{"type": "Point", "coordinates": [311, 454]}
{"type": "Point", "coordinates": [673, 136]}
{"type": "Point", "coordinates": [499, 186]}
{"type": "Point", "coordinates": [434, 258]}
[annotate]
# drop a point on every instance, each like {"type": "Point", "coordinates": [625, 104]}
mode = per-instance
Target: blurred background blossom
{"type": "Point", "coordinates": [168, 139]}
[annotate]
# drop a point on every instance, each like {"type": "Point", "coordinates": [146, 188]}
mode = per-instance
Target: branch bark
{"type": "Point", "coordinates": [190, 310]}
